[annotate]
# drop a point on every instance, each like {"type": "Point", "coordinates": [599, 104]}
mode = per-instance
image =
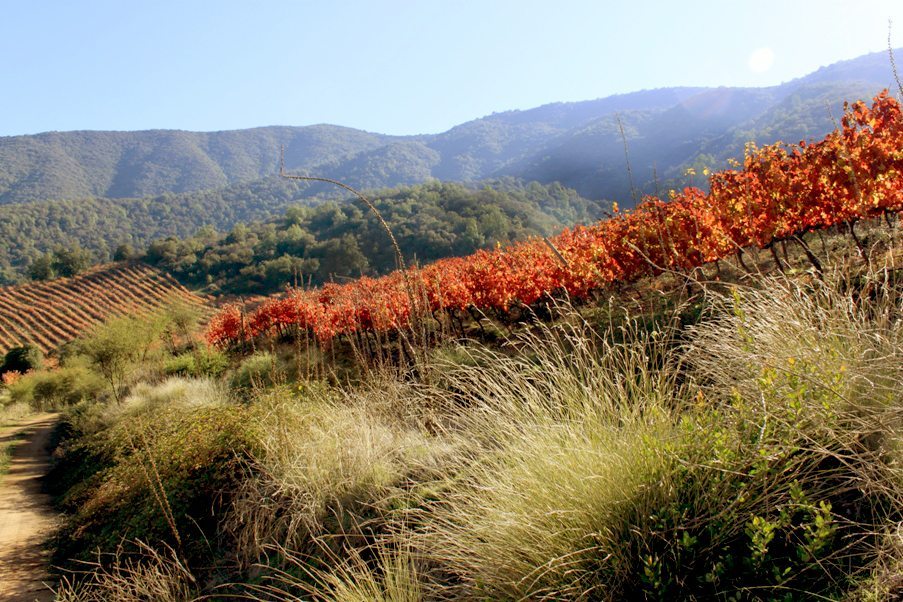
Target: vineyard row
{"type": "Point", "coordinates": [50, 314]}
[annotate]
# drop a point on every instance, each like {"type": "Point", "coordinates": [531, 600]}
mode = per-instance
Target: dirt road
{"type": "Point", "coordinates": [26, 519]}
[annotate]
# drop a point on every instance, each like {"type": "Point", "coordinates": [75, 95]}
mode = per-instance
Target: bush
{"type": "Point", "coordinates": [177, 442]}
{"type": "Point", "coordinates": [257, 371]}
{"type": "Point", "coordinates": [22, 359]}
{"type": "Point", "coordinates": [22, 390]}
{"type": "Point", "coordinates": [202, 362]}
{"type": "Point", "coordinates": [117, 346]}
{"type": "Point", "coordinates": [180, 320]}
{"type": "Point", "coordinates": [180, 365]}
{"type": "Point", "coordinates": [57, 388]}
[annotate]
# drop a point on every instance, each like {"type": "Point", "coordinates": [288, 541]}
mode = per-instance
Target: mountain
{"type": "Point", "coordinates": [705, 129]}
{"type": "Point", "coordinates": [576, 143]}
{"type": "Point", "coordinates": [67, 165]}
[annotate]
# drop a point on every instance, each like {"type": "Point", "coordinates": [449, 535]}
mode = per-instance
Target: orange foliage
{"type": "Point", "coordinates": [779, 192]}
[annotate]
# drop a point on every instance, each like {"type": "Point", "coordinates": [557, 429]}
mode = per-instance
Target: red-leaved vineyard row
{"type": "Point", "coordinates": [779, 192]}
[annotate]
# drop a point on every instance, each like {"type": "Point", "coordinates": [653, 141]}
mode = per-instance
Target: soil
{"type": "Point", "coordinates": [26, 517]}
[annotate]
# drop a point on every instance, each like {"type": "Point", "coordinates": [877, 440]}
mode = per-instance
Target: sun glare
{"type": "Point", "coordinates": [761, 60]}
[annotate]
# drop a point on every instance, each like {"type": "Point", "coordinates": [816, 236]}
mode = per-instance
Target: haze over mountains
{"type": "Point", "coordinates": [578, 144]}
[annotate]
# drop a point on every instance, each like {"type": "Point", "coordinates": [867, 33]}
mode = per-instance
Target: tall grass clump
{"type": "Point", "coordinates": [14, 411]}
{"type": "Point", "coordinates": [257, 372]}
{"type": "Point", "coordinates": [173, 392]}
{"type": "Point", "coordinates": [569, 456]}
{"type": "Point", "coordinates": [331, 467]}
{"type": "Point", "coordinates": [385, 572]}
{"type": "Point", "coordinates": [153, 576]}
{"type": "Point", "coordinates": [757, 457]}
{"type": "Point", "coordinates": [841, 341]}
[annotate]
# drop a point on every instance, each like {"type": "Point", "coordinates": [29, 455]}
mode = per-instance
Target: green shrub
{"type": "Point", "coordinates": [180, 320]}
{"type": "Point", "coordinates": [180, 365]}
{"type": "Point", "coordinates": [210, 362]}
{"type": "Point", "coordinates": [202, 362]}
{"type": "Point", "coordinates": [22, 391]}
{"type": "Point", "coordinates": [757, 508]}
{"type": "Point", "coordinates": [257, 371]}
{"type": "Point", "coordinates": [22, 359]}
{"type": "Point", "coordinates": [57, 388]}
{"type": "Point", "coordinates": [150, 450]}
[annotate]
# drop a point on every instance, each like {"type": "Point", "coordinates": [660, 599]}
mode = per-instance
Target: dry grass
{"type": "Point", "coordinates": [153, 577]}
{"type": "Point", "coordinates": [14, 412]}
{"type": "Point", "coordinates": [330, 465]}
{"type": "Point", "coordinates": [755, 455]}
{"type": "Point", "coordinates": [566, 436]}
{"type": "Point", "coordinates": [839, 339]}
{"type": "Point", "coordinates": [762, 455]}
{"type": "Point", "coordinates": [392, 574]}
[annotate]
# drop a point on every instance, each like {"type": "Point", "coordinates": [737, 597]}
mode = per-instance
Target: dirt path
{"type": "Point", "coordinates": [26, 519]}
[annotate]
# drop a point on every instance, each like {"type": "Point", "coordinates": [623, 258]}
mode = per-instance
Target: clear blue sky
{"type": "Point", "coordinates": [393, 66]}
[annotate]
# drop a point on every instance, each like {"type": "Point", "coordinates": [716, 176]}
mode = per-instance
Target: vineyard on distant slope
{"type": "Point", "coordinates": [51, 313]}
{"type": "Point", "coordinates": [779, 193]}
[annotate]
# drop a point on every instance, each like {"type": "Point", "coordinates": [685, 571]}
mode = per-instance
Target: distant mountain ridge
{"type": "Point", "coordinates": [578, 144]}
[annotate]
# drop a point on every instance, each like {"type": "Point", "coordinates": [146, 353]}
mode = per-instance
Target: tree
{"type": "Point", "coordinates": [341, 257]}
{"type": "Point", "coordinates": [179, 321]}
{"type": "Point", "coordinates": [116, 346]}
{"type": "Point", "coordinates": [42, 268]}
{"type": "Point", "coordinates": [124, 252]}
{"type": "Point", "coordinates": [22, 359]}
{"type": "Point", "coordinates": [70, 261]}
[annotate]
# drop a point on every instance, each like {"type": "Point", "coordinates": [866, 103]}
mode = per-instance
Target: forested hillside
{"type": "Point", "coordinates": [337, 241]}
{"type": "Point", "coordinates": [100, 225]}
{"type": "Point", "coordinates": [578, 144]}
{"type": "Point", "coordinates": [71, 165]}
{"type": "Point", "coordinates": [432, 221]}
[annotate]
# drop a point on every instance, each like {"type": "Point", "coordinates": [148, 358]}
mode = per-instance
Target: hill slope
{"type": "Point", "coordinates": [101, 225]}
{"type": "Point", "coordinates": [50, 314]}
{"type": "Point", "coordinates": [666, 128]}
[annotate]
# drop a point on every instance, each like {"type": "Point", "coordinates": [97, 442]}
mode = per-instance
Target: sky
{"type": "Point", "coordinates": [395, 66]}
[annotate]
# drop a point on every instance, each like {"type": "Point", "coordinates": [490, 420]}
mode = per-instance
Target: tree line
{"type": "Point", "coordinates": [336, 241]}
{"type": "Point", "coordinates": [313, 241]}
